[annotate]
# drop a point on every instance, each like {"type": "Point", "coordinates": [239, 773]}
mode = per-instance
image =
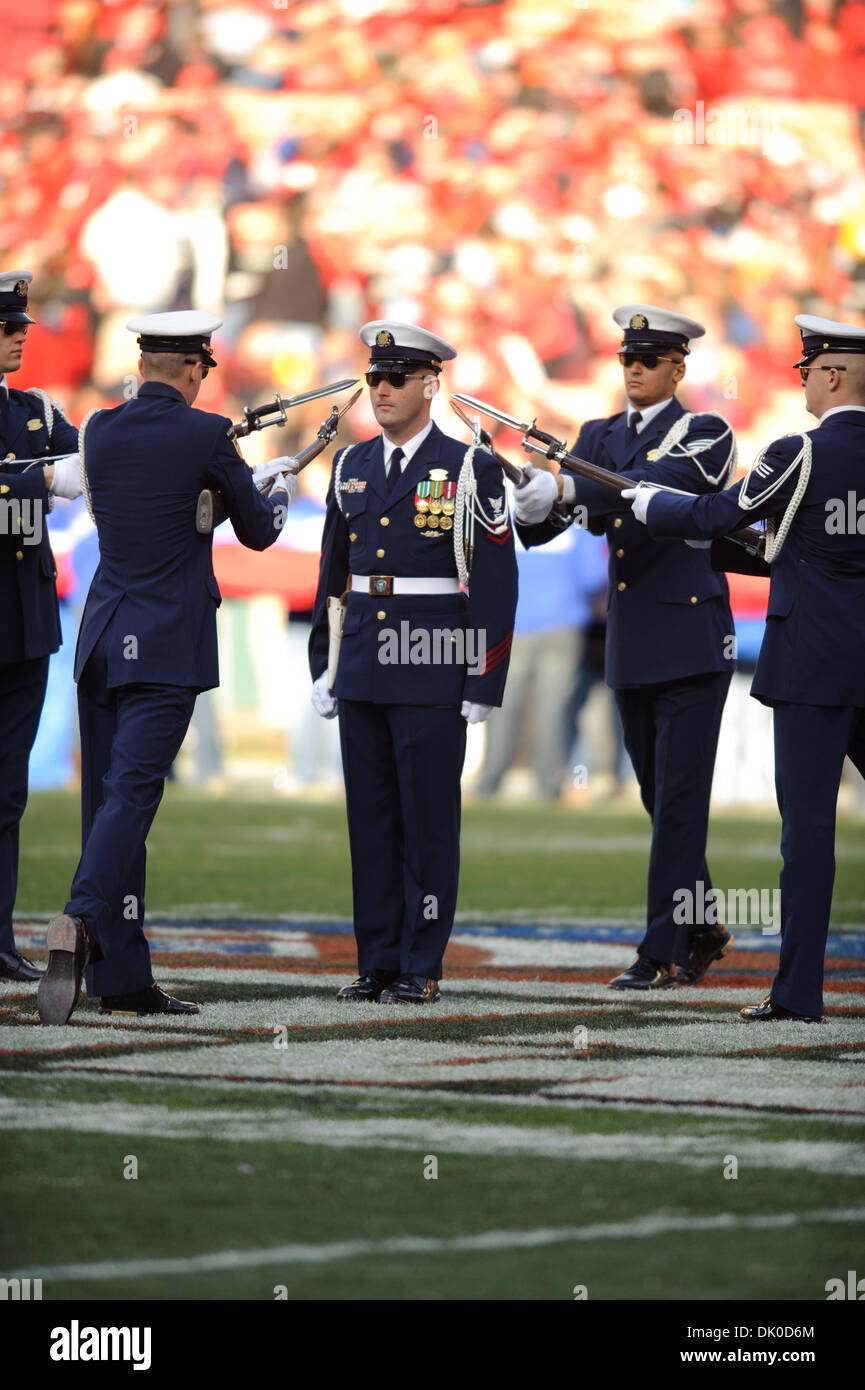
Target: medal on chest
{"type": "Point", "coordinates": [434, 502]}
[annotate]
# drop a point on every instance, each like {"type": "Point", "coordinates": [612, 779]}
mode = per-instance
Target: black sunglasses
{"type": "Point", "coordinates": [397, 379]}
{"type": "Point", "coordinates": [648, 359]}
{"type": "Point", "coordinates": [10, 329]}
{"type": "Point", "coordinates": [803, 371]}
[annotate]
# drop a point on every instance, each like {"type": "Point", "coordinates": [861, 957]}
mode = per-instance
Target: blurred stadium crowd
{"type": "Point", "coordinates": [504, 172]}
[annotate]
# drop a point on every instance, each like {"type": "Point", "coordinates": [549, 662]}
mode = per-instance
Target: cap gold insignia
{"type": "Point", "coordinates": [639, 321]}
{"type": "Point", "coordinates": [383, 338]}
{"type": "Point", "coordinates": [21, 288]}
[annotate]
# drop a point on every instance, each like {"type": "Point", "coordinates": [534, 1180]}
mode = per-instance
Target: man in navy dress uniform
{"type": "Point", "coordinates": [670, 634]}
{"type": "Point", "coordinates": [32, 427]}
{"type": "Point", "coordinates": [408, 513]}
{"type": "Point", "coordinates": [811, 668]}
{"type": "Point", "coordinates": [146, 648]}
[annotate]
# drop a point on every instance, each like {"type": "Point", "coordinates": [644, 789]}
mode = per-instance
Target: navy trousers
{"type": "Point", "coordinates": [402, 766]}
{"type": "Point", "coordinates": [671, 733]}
{"type": "Point", "coordinates": [22, 693]}
{"type": "Point", "coordinates": [130, 736]}
{"type": "Point", "coordinates": [811, 742]}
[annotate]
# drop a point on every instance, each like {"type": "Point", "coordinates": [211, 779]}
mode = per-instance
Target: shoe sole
{"type": "Point", "coordinates": [744, 1018]}
{"type": "Point", "coordinates": [60, 986]}
{"type": "Point", "coordinates": [665, 984]}
{"type": "Point", "coordinates": [382, 1000]}
{"type": "Point", "coordinates": [718, 955]}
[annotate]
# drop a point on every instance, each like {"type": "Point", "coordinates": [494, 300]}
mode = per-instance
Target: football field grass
{"type": "Point", "coordinates": [530, 1135]}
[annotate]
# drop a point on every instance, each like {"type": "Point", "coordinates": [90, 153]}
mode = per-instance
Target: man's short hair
{"type": "Point", "coordinates": [163, 366]}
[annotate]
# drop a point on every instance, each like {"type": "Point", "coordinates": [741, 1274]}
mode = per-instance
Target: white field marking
{"type": "Point", "coordinates": [770, 1082]}
{"type": "Point", "coordinates": [212, 940]}
{"type": "Point", "coordinates": [703, 1150]}
{"type": "Point", "coordinates": [374, 1098]}
{"type": "Point", "coordinates": [643, 1227]}
{"type": "Point", "coordinates": [527, 951]}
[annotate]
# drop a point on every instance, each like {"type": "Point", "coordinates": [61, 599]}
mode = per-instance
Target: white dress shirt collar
{"type": "Point", "coordinates": [409, 449]}
{"type": "Point", "coordinates": [648, 412]}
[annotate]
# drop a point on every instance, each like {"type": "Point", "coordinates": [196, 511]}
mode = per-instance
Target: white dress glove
{"type": "Point", "coordinates": [639, 498]}
{"type": "Point", "coordinates": [535, 501]}
{"type": "Point", "coordinates": [287, 482]}
{"type": "Point", "coordinates": [266, 475]}
{"type": "Point", "coordinates": [67, 477]}
{"type": "Point", "coordinates": [475, 714]}
{"type": "Point", "coordinates": [322, 701]}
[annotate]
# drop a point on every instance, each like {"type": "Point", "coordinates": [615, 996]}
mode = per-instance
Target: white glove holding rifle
{"type": "Point", "coordinates": [639, 498]}
{"type": "Point", "coordinates": [534, 501]}
{"type": "Point", "coordinates": [276, 474]}
{"type": "Point", "coordinates": [65, 477]}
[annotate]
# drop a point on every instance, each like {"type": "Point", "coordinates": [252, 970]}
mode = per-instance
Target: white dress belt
{"type": "Point", "coordinates": [383, 585]}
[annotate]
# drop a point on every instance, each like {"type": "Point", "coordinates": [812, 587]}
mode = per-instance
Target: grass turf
{"type": "Point", "coordinates": [197, 1194]}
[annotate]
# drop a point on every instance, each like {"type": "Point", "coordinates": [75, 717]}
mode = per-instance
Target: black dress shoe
{"type": "Point", "coordinates": [411, 989]}
{"type": "Point", "coordinates": [767, 1012]}
{"type": "Point", "coordinates": [367, 988]}
{"type": "Point", "coordinates": [14, 966]}
{"type": "Point", "coordinates": [704, 947]}
{"type": "Point", "coordinates": [645, 973]}
{"type": "Point", "coordinates": [68, 953]}
{"type": "Point", "coordinates": [145, 1001]}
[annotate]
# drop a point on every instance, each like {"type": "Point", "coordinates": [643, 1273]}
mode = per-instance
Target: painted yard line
{"type": "Point", "coordinates": [644, 1227]}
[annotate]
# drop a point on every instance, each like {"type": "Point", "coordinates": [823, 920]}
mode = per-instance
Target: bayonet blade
{"type": "Point", "coordinates": [500, 415]}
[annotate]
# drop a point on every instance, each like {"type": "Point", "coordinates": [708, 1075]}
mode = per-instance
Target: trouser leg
{"type": "Point", "coordinates": [375, 833]}
{"type": "Point", "coordinates": [138, 731]}
{"type": "Point", "coordinates": [810, 745]}
{"type": "Point", "coordinates": [22, 693]}
{"type": "Point", "coordinates": [430, 747]}
{"type": "Point", "coordinates": [671, 733]}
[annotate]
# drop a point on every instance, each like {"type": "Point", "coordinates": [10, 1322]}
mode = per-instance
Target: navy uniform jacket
{"type": "Point", "coordinates": [668, 610]}
{"type": "Point", "coordinates": [813, 650]}
{"type": "Point", "coordinates": [373, 532]}
{"type": "Point", "coordinates": [146, 462]}
{"type": "Point", "coordinates": [30, 625]}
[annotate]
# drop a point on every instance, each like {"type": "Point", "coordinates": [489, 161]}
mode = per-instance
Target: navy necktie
{"type": "Point", "coordinates": [633, 422]}
{"type": "Point", "coordinates": [394, 471]}
{"type": "Point", "coordinates": [4, 413]}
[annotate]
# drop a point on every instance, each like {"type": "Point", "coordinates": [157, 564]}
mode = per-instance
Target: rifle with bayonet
{"type": "Point", "coordinates": [210, 510]}
{"type": "Point", "coordinates": [483, 439]}
{"type": "Point", "coordinates": [740, 552]}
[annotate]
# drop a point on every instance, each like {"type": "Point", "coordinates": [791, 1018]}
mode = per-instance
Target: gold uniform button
{"type": "Point", "coordinates": [621, 587]}
{"type": "Point", "coordinates": [620, 553]}
{"type": "Point", "coordinates": [384, 521]}
{"type": "Point", "coordinates": [19, 554]}
{"type": "Point", "coordinates": [381, 614]}
{"type": "Point", "coordinates": [10, 456]}
{"type": "Point", "coordinates": [617, 522]}
{"type": "Point", "coordinates": [3, 490]}
{"type": "Point", "coordinates": [379, 554]}
{"type": "Point", "coordinates": [693, 598]}
{"type": "Point", "coordinates": [352, 535]}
